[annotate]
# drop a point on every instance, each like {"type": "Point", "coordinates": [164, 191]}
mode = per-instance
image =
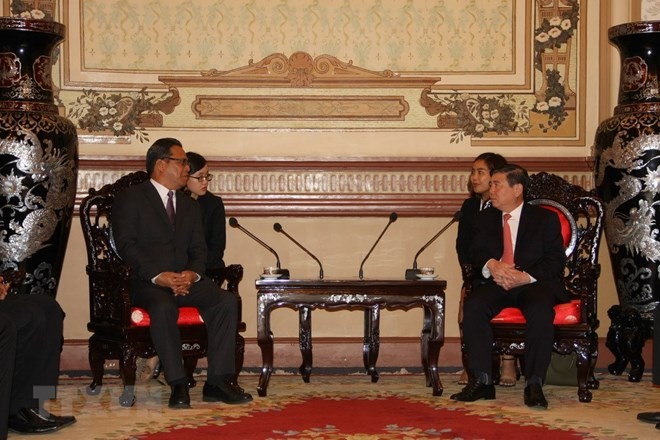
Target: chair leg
{"type": "Point", "coordinates": [127, 367]}
{"type": "Point", "coordinates": [96, 364]}
{"type": "Point", "coordinates": [583, 372]}
{"type": "Point", "coordinates": [240, 355]}
{"type": "Point", "coordinates": [189, 365]}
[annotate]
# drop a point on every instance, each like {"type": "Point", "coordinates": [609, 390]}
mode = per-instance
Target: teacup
{"type": "Point", "coordinates": [271, 271]}
{"type": "Point", "coordinates": [426, 270]}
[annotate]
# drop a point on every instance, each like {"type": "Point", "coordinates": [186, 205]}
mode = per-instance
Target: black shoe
{"type": "Point", "coordinates": [29, 421]}
{"type": "Point", "coordinates": [534, 396]}
{"type": "Point", "coordinates": [651, 417]}
{"type": "Point", "coordinates": [60, 420]}
{"type": "Point", "coordinates": [226, 392]}
{"type": "Point", "coordinates": [475, 390]}
{"type": "Point", "coordinates": [179, 398]}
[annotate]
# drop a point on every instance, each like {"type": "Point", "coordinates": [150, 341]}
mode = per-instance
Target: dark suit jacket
{"type": "Point", "coordinates": [145, 239]}
{"type": "Point", "coordinates": [539, 244]}
{"type": "Point", "coordinates": [215, 232]}
{"type": "Point", "coordinates": [466, 227]}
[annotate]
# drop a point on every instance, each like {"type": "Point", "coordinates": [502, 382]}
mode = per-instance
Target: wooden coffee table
{"type": "Point", "coordinates": [370, 295]}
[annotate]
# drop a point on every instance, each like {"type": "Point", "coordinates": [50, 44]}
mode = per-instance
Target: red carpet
{"type": "Point", "coordinates": [374, 418]}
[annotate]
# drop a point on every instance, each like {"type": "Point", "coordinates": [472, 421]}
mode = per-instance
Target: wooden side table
{"type": "Point", "coordinates": [369, 295]}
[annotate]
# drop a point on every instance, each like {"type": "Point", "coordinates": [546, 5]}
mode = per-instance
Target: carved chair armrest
{"type": "Point", "coordinates": [110, 294]}
{"type": "Point", "coordinates": [233, 274]}
{"type": "Point", "coordinates": [467, 271]}
{"type": "Point", "coordinates": [15, 278]}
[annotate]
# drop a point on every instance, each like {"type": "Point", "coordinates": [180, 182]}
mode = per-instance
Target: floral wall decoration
{"type": "Point", "coordinates": [122, 114]}
{"type": "Point", "coordinates": [479, 115]}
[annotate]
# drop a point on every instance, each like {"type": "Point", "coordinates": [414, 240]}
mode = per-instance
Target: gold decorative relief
{"type": "Point", "coordinates": [300, 70]}
{"type": "Point", "coordinates": [378, 108]}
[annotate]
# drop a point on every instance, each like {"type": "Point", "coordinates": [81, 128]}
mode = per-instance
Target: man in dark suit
{"type": "Point", "coordinates": [527, 274]}
{"type": "Point", "coordinates": [158, 232]}
{"type": "Point", "coordinates": [30, 346]}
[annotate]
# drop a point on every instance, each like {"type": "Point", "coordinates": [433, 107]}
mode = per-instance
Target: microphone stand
{"type": "Point", "coordinates": [234, 224]}
{"type": "Point", "coordinates": [393, 217]}
{"type": "Point", "coordinates": [279, 228]}
{"type": "Point", "coordinates": [411, 274]}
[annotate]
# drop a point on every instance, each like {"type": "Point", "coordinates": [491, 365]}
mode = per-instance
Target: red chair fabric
{"type": "Point", "coordinates": [565, 314]}
{"type": "Point", "coordinates": [563, 221]}
{"type": "Point", "coordinates": [187, 316]}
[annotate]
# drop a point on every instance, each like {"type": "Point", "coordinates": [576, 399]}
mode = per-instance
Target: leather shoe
{"type": "Point", "coordinates": [534, 396]}
{"type": "Point", "coordinates": [60, 420]}
{"type": "Point", "coordinates": [475, 390]}
{"type": "Point", "coordinates": [225, 392]}
{"type": "Point", "coordinates": [651, 417]}
{"type": "Point", "coordinates": [179, 398]}
{"type": "Point", "coordinates": [30, 421]}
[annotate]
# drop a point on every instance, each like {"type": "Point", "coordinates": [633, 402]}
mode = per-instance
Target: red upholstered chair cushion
{"type": "Point", "coordinates": [187, 316]}
{"type": "Point", "coordinates": [567, 313]}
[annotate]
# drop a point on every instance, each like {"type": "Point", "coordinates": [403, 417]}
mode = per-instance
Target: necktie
{"type": "Point", "coordinates": [170, 208]}
{"type": "Point", "coordinates": [507, 255]}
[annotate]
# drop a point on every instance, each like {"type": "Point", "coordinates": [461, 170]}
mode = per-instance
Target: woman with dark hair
{"type": "Point", "coordinates": [479, 186]}
{"type": "Point", "coordinates": [213, 210]}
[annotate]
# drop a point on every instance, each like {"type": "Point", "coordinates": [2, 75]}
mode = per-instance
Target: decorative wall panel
{"type": "Point", "coordinates": [350, 187]}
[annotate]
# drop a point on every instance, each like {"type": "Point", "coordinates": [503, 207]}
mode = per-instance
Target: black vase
{"type": "Point", "coordinates": [38, 156]}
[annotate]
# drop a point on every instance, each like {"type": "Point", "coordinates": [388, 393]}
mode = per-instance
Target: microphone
{"type": "Point", "coordinates": [278, 228]}
{"type": "Point", "coordinates": [393, 217]}
{"type": "Point", "coordinates": [411, 274]}
{"type": "Point", "coordinates": [234, 224]}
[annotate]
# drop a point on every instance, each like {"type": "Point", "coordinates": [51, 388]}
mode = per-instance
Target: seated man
{"type": "Point", "coordinates": [520, 251]}
{"type": "Point", "coordinates": [30, 346]}
{"type": "Point", "coordinates": [158, 232]}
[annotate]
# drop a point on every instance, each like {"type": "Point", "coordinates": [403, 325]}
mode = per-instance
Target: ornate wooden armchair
{"type": "Point", "coordinates": [581, 217]}
{"type": "Point", "coordinates": [121, 331]}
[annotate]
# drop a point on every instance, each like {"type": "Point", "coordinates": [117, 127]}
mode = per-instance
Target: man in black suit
{"type": "Point", "coordinates": [30, 346]}
{"type": "Point", "coordinates": [531, 282]}
{"type": "Point", "coordinates": [158, 232]}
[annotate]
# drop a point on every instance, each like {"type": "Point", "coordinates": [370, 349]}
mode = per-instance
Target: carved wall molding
{"type": "Point", "coordinates": [300, 70]}
{"type": "Point", "coordinates": [434, 187]}
{"type": "Point", "coordinates": [348, 108]}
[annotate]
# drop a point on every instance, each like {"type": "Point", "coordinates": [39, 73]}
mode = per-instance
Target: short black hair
{"type": "Point", "coordinates": [514, 174]}
{"type": "Point", "coordinates": [159, 150]}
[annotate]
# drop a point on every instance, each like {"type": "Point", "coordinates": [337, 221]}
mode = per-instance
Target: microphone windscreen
{"type": "Point", "coordinates": [393, 217]}
{"type": "Point", "coordinates": [233, 222]}
{"type": "Point", "coordinates": [458, 215]}
{"type": "Point", "coordinates": [277, 227]}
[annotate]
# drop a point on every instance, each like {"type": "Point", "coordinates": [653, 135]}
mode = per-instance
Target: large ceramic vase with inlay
{"type": "Point", "coordinates": [38, 156]}
{"type": "Point", "coordinates": [627, 174]}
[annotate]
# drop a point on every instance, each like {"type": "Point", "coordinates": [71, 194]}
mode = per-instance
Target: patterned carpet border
{"type": "Point", "coordinates": [611, 415]}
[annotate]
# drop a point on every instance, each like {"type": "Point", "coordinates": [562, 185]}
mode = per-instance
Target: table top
{"type": "Point", "coordinates": [346, 281]}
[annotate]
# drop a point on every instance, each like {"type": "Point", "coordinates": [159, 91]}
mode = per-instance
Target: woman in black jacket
{"type": "Point", "coordinates": [213, 210]}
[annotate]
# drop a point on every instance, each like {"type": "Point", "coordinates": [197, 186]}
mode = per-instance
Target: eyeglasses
{"type": "Point", "coordinates": [183, 162]}
{"type": "Point", "coordinates": [206, 178]}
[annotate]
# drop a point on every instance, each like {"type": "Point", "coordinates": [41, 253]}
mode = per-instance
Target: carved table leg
{"type": "Point", "coordinates": [305, 342]}
{"type": "Point", "coordinates": [265, 342]}
{"type": "Point", "coordinates": [371, 341]}
{"type": "Point", "coordinates": [434, 318]}
{"type": "Point", "coordinates": [426, 335]}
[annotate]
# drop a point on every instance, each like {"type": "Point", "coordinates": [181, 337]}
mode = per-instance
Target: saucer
{"type": "Point", "coordinates": [272, 276]}
{"type": "Point", "coordinates": [426, 277]}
